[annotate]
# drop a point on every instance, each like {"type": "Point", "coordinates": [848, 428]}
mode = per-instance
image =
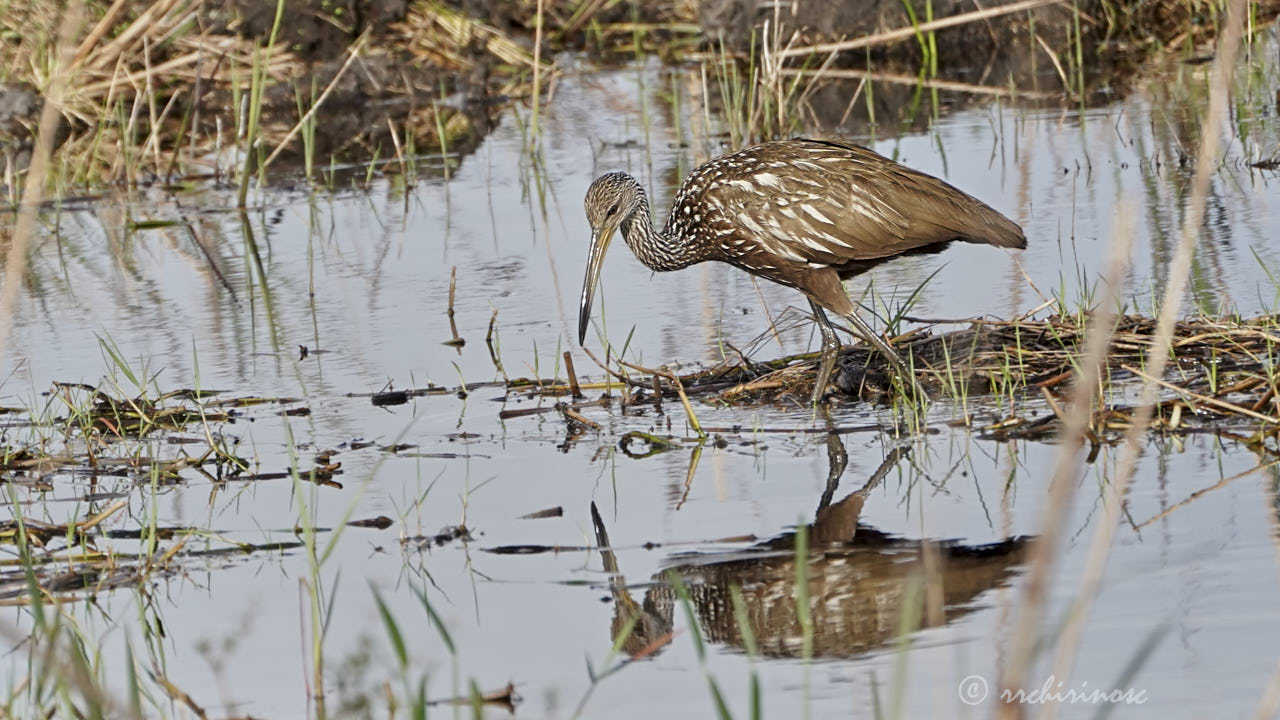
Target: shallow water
{"type": "Point", "coordinates": [364, 276]}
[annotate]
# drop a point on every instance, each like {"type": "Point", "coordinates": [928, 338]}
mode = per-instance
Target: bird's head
{"type": "Point", "coordinates": [610, 199]}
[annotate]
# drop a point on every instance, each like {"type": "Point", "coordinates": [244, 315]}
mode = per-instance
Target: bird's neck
{"type": "Point", "coordinates": [657, 249]}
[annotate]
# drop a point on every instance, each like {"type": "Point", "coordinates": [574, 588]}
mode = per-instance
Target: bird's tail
{"type": "Point", "coordinates": [991, 228]}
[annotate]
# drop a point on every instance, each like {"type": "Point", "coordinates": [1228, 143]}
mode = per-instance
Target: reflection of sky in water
{"type": "Point", "coordinates": [380, 266]}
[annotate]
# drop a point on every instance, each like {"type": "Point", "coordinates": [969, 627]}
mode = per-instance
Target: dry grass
{"type": "Point", "coordinates": [160, 91]}
{"type": "Point", "coordinates": [443, 36]}
{"type": "Point", "coordinates": [134, 72]}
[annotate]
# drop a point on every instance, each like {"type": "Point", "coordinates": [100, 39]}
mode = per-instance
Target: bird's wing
{"type": "Point", "coordinates": [827, 203]}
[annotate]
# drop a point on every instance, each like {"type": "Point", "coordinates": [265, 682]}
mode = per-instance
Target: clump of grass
{"type": "Point", "coordinates": [758, 100]}
{"type": "Point", "coordinates": [1225, 374]}
{"type": "Point", "coordinates": [104, 429]}
{"type": "Point", "coordinates": [115, 431]}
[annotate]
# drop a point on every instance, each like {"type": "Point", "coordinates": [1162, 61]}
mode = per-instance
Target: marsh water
{"type": "Point", "coordinates": [360, 275]}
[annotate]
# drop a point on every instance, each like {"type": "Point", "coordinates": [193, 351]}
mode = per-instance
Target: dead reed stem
{"type": "Point", "coordinates": [906, 33]}
{"type": "Point", "coordinates": [684, 398]}
{"type": "Point", "coordinates": [773, 327]}
{"type": "Point", "coordinates": [352, 54]}
{"type": "Point", "coordinates": [101, 29]}
{"type": "Point", "coordinates": [608, 370]}
{"type": "Point", "coordinates": [453, 286]}
{"type": "Point", "coordinates": [15, 267]}
{"type": "Point", "coordinates": [573, 376]}
{"type": "Point", "coordinates": [1200, 397]}
{"type": "Point", "coordinates": [1269, 703]}
{"type": "Point", "coordinates": [1062, 487]}
{"type": "Point", "coordinates": [1157, 354]}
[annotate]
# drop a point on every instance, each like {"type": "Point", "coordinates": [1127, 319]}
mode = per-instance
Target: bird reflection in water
{"type": "Point", "coordinates": [858, 576]}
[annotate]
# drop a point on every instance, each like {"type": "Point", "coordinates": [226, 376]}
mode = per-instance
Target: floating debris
{"type": "Point", "coordinates": [505, 698]}
{"type": "Point", "coordinates": [391, 397]}
{"type": "Point", "coordinates": [381, 522]}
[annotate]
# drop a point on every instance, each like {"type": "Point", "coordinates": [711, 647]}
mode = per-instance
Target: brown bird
{"type": "Point", "coordinates": [803, 213]}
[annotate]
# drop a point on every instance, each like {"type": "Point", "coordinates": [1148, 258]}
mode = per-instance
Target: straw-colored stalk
{"type": "Point", "coordinates": [1019, 659]}
{"type": "Point", "coordinates": [893, 36]}
{"type": "Point", "coordinates": [33, 191]}
{"type": "Point", "coordinates": [1158, 355]}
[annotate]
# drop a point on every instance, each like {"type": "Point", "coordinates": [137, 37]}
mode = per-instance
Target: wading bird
{"type": "Point", "coordinates": [803, 213]}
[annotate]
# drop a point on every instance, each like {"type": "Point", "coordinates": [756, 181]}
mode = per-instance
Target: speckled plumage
{"type": "Point", "coordinates": [803, 213]}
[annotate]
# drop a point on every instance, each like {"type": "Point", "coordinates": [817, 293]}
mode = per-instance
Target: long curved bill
{"type": "Point", "coordinates": [595, 260]}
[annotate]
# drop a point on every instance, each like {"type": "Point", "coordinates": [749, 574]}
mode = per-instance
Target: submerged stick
{"type": "Point", "coordinates": [456, 341]}
{"type": "Point", "coordinates": [684, 399]}
{"type": "Point", "coordinates": [571, 414]}
{"type": "Point", "coordinates": [453, 286]}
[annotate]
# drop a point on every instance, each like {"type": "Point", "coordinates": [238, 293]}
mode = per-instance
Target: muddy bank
{"type": "Point", "coordinates": [314, 29]}
{"type": "Point", "coordinates": [1115, 24]}
{"type": "Point", "coordinates": [1051, 54]}
{"type": "Point", "coordinates": [348, 81]}
{"type": "Point", "coordinates": [343, 82]}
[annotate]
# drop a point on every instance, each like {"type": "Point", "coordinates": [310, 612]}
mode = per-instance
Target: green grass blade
{"type": "Point", "coordinates": [393, 630]}
{"type": "Point", "coordinates": [440, 626]}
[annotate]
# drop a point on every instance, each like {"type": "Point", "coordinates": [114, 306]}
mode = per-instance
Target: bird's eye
{"type": "Point", "coordinates": [614, 210]}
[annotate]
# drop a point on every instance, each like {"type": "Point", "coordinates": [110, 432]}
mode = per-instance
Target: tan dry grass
{"type": "Point", "coordinates": [137, 71]}
{"type": "Point", "coordinates": [1027, 634]}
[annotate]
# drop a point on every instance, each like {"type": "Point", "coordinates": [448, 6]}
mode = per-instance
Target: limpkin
{"type": "Point", "coordinates": [804, 213]}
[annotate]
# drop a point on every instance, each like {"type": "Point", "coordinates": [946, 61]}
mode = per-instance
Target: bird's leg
{"type": "Point", "coordinates": [830, 351]}
{"type": "Point", "coordinates": [904, 374]}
